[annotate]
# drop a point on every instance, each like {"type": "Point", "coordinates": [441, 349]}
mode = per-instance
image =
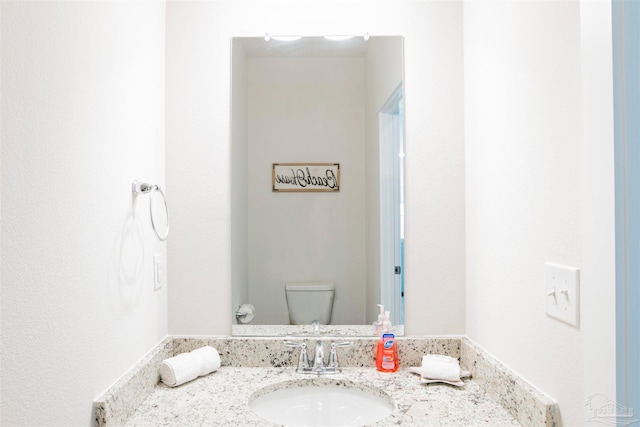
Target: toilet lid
{"type": "Point", "coordinates": [309, 286]}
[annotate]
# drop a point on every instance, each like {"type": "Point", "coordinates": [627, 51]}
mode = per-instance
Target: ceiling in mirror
{"type": "Point", "coordinates": [309, 47]}
{"type": "Point", "coordinates": [316, 112]}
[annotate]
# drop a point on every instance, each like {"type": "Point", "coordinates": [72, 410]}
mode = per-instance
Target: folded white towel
{"type": "Point", "coordinates": [188, 366]}
{"type": "Point", "coordinates": [459, 383]}
{"type": "Point", "coordinates": [439, 367]}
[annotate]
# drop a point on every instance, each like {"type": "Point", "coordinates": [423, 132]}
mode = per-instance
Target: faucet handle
{"type": "Point", "coordinates": [303, 360]}
{"type": "Point", "coordinates": [341, 344]}
{"type": "Point", "coordinates": [316, 327]}
{"type": "Point", "coordinates": [333, 364]}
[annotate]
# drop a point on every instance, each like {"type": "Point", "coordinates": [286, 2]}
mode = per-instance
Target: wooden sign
{"type": "Point", "coordinates": [306, 177]}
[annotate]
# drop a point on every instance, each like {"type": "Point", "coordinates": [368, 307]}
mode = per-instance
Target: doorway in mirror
{"type": "Point", "coordinates": [391, 128]}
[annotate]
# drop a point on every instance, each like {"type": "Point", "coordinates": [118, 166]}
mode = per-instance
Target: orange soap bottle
{"type": "Point", "coordinates": [387, 354]}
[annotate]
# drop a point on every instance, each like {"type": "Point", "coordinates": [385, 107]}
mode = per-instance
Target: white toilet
{"type": "Point", "coordinates": [309, 301]}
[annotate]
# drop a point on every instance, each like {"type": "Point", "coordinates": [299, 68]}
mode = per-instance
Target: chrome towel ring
{"type": "Point", "coordinates": [137, 188]}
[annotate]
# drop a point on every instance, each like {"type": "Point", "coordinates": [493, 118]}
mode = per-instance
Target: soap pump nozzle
{"type": "Point", "coordinates": [386, 324]}
{"type": "Point", "coordinates": [378, 324]}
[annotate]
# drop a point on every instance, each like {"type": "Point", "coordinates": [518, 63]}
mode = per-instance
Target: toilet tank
{"type": "Point", "coordinates": [309, 301]}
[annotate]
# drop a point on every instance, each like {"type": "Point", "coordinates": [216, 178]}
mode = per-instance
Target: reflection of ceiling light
{"type": "Point", "coordinates": [338, 38]}
{"type": "Point", "coordinates": [286, 38]}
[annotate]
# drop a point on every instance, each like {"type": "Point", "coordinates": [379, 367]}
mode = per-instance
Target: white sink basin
{"type": "Point", "coordinates": [321, 404]}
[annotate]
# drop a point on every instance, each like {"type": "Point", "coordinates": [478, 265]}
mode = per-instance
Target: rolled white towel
{"type": "Point", "coordinates": [185, 367]}
{"type": "Point", "coordinates": [209, 358]}
{"type": "Point", "coordinates": [179, 369]}
{"type": "Point", "coordinates": [440, 367]}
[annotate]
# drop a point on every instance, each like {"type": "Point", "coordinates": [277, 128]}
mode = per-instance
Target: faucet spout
{"type": "Point", "coordinates": [318, 359]}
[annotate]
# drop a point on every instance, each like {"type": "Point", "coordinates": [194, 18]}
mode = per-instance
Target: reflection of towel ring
{"type": "Point", "coordinates": [144, 188]}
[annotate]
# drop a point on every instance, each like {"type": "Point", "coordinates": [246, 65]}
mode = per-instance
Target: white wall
{"type": "Point", "coordinates": [198, 75]}
{"type": "Point", "coordinates": [539, 188]}
{"type": "Point", "coordinates": [598, 281]}
{"type": "Point", "coordinates": [306, 110]}
{"type": "Point", "coordinates": [82, 116]}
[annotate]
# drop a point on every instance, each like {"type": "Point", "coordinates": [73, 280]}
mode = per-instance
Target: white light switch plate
{"type": "Point", "coordinates": [158, 272]}
{"type": "Point", "coordinates": [562, 284]}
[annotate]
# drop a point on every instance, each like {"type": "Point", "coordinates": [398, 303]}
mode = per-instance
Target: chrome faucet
{"type": "Point", "coordinates": [318, 367]}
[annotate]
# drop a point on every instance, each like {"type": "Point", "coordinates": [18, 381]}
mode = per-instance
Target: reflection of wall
{"type": "Point", "coordinates": [198, 67]}
{"type": "Point", "coordinates": [239, 211]}
{"type": "Point", "coordinates": [306, 110]}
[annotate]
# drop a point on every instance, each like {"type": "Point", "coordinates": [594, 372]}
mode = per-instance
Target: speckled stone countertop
{"type": "Point", "coordinates": [222, 398]}
{"type": "Point", "coordinates": [495, 395]}
{"type": "Point", "coordinates": [299, 330]}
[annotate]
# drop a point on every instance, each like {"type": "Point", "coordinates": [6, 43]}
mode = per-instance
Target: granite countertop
{"type": "Point", "coordinates": [222, 397]}
{"type": "Point", "coordinates": [251, 330]}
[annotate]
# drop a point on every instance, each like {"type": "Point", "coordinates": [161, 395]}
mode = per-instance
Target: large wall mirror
{"type": "Point", "coordinates": [306, 101]}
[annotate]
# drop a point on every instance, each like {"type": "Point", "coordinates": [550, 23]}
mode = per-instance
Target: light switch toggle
{"type": "Point", "coordinates": [158, 272]}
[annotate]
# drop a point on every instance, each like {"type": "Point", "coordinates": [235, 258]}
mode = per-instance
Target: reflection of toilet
{"type": "Point", "coordinates": [309, 301]}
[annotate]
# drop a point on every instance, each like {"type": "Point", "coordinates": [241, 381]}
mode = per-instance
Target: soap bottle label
{"type": "Point", "coordinates": [388, 353]}
{"type": "Point", "coordinates": [388, 360]}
